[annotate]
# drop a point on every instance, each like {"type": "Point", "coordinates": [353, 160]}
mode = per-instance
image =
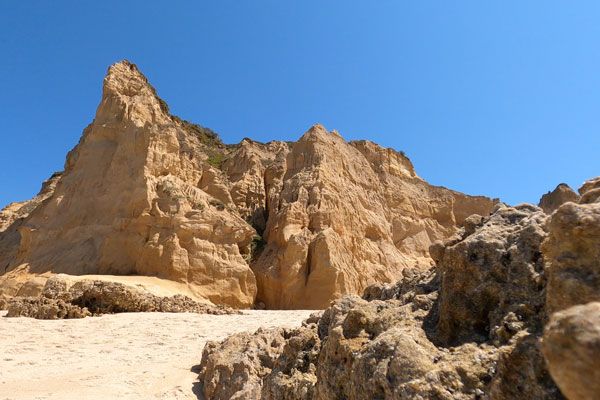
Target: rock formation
{"type": "Point", "coordinates": [337, 210]}
{"type": "Point", "coordinates": [572, 350]}
{"type": "Point", "coordinates": [291, 225]}
{"type": "Point", "coordinates": [470, 328]}
{"type": "Point", "coordinates": [572, 251]}
{"type": "Point", "coordinates": [64, 298]}
{"type": "Point", "coordinates": [556, 198]}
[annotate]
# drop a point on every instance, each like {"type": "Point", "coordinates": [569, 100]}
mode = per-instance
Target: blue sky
{"type": "Point", "coordinates": [495, 98]}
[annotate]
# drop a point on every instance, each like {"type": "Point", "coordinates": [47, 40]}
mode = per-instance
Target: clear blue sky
{"type": "Point", "coordinates": [498, 98]}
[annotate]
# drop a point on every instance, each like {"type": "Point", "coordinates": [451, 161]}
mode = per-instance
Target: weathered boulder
{"type": "Point", "coordinates": [470, 329]}
{"type": "Point", "coordinates": [61, 298]}
{"type": "Point", "coordinates": [234, 368]}
{"type": "Point", "coordinates": [493, 280]}
{"type": "Point", "coordinates": [572, 251]}
{"type": "Point", "coordinates": [571, 347]}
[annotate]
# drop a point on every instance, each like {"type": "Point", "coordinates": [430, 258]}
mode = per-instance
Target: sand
{"type": "Point", "coordinates": [122, 356]}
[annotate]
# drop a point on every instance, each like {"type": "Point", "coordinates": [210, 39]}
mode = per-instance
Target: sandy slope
{"type": "Point", "coordinates": [124, 356]}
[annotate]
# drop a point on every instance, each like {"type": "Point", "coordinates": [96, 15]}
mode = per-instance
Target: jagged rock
{"type": "Point", "coordinates": [337, 210]}
{"type": "Point", "coordinates": [44, 308]}
{"type": "Point", "coordinates": [234, 368]}
{"type": "Point", "coordinates": [572, 251]}
{"type": "Point", "coordinates": [290, 225]}
{"type": "Point", "coordinates": [293, 373]}
{"type": "Point", "coordinates": [63, 299]}
{"type": "Point", "coordinates": [129, 202]}
{"type": "Point", "coordinates": [397, 342]}
{"type": "Point", "coordinates": [572, 350]}
{"type": "Point", "coordinates": [493, 279]}
{"type": "Point", "coordinates": [245, 169]}
{"type": "Point", "coordinates": [559, 196]}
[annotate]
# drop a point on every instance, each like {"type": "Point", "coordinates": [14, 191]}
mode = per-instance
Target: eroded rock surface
{"type": "Point", "coordinates": [556, 198]}
{"type": "Point", "coordinates": [290, 225]}
{"type": "Point", "coordinates": [468, 329]}
{"type": "Point", "coordinates": [61, 298]}
{"type": "Point", "coordinates": [337, 210]}
{"type": "Point", "coordinates": [572, 251]}
{"type": "Point", "coordinates": [493, 280]}
{"type": "Point", "coordinates": [572, 350]}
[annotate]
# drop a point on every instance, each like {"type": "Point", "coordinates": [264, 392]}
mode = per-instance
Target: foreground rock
{"type": "Point", "coordinates": [572, 350]}
{"type": "Point", "coordinates": [471, 328]}
{"type": "Point", "coordinates": [60, 299]}
{"type": "Point", "coordinates": [291, 225]}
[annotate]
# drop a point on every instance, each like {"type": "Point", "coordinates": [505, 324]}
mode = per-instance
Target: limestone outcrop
{"type": "Point", "coordinates": [290, 225]}
{"type": "Point", "coordinates": [493, 280]}
{"type": "Point", "coordinates": [556, 198]}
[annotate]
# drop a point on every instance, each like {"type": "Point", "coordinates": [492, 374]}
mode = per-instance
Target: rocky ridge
{"type": "Point", "coordinates": [473, 327]}
{"type": "Point", "coordinates": [290, 225]}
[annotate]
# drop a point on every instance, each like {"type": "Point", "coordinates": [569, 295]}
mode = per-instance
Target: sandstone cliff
{"type": "Point", "coordinates": [291, 225]}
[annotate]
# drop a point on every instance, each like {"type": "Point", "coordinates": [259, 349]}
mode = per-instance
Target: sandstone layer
{"type": "Point", "coordinates": [290, 225]}
{"type": "Point", "coordinates": [470, 328]}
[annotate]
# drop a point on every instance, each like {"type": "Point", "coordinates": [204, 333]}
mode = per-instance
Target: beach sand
{"type": "Point", "coordinates": [121, 356]}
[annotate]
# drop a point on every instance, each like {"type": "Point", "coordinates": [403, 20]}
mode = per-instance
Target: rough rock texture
{"type": "Point", "coordinates": [63, 299]}
{"type": "Point", "coordinates": [337, 210]}
{"type": "Point", "coordinates": [234, 368]}
{"type": "Point", "coordinates": [493, 280]}
{"type": "Point", "coordinates": [469, 329]}
{"type": "Point", "coordinates": [572, 251]}
{"type": "Point", "coordinates": [572, 350]}
{"type": "Point", "coordinates": [556, 198]}
{"type": "Point", "coordinates": [44, 308]}
{"type": "Point", "coordinates": [291, 225]}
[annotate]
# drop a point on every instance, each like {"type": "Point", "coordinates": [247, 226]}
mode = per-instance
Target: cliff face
{"type": "Point", "coordinates": [291, 225]}
{"type": "Point", "coordinates": [129, 202]}
{"type": "Point", "coordinates": [342, 216]}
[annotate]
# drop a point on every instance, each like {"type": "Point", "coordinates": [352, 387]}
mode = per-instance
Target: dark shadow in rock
{"type": "Point", "coordinates": [197, 387]}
